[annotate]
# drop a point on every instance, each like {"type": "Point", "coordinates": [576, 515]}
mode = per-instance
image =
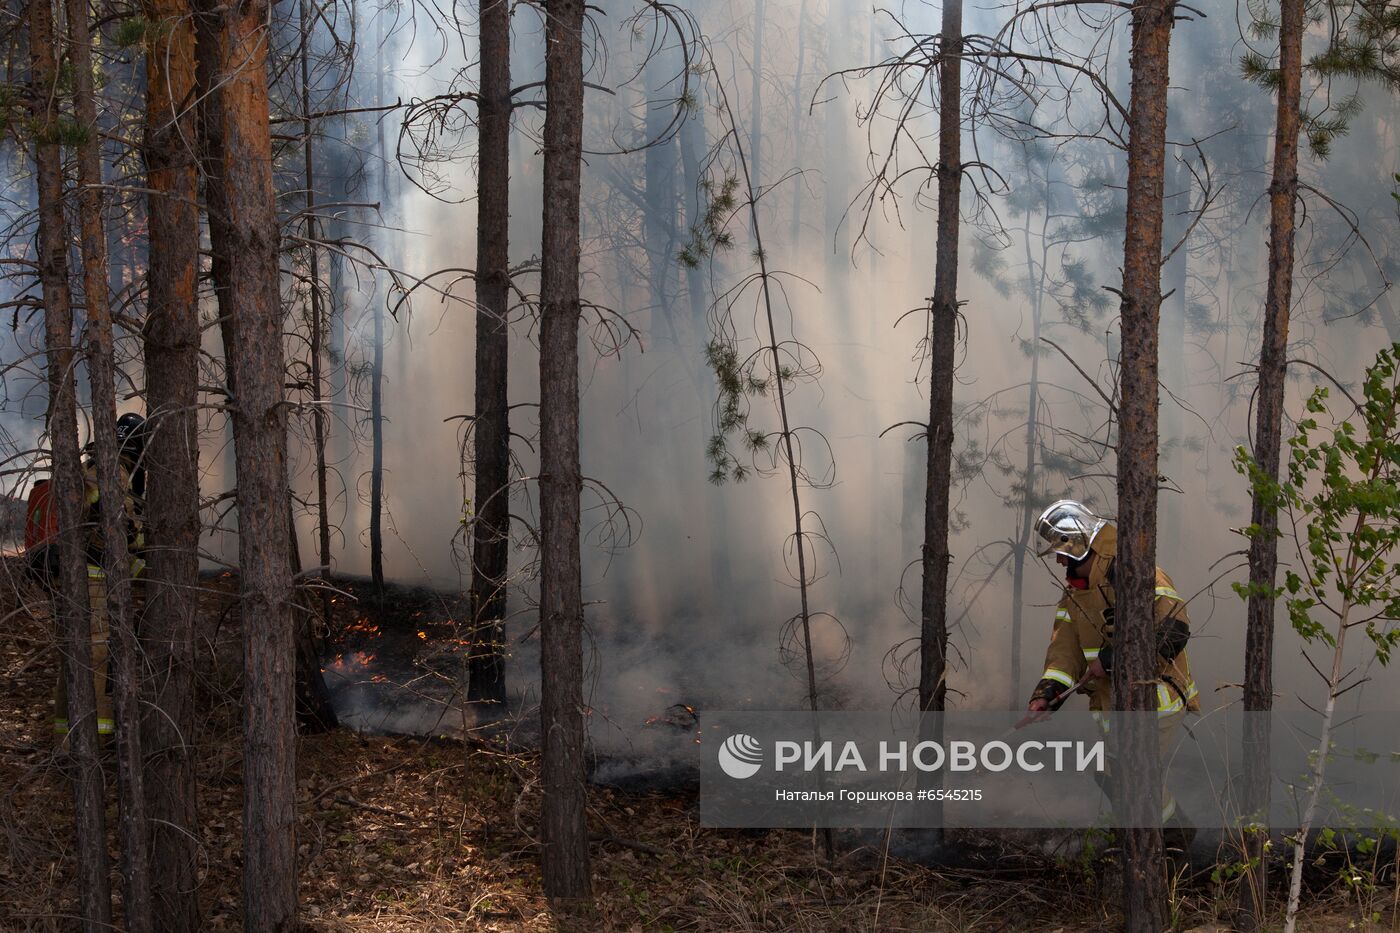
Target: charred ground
{"type": "Point", "coordinates": [404, 832]}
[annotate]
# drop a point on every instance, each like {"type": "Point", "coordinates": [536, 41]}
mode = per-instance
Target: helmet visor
{"type": "Point", "coordinates": [1067, 528]}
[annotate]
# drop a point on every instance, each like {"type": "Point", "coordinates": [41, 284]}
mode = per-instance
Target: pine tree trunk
{"type": "Point", "coordinates": [343, 436]}
{"type": "Point", "coordinates": [659, 218]}
{"type": "Point", "coordinates": [933, 628]}
{"type": "Point", "coordinates": [1139, 790]}
{"type": "Point", "coordinates": [70, 591]}
{"type": "Point", "coordinates": [172, 343]}
{"type": "Point", "coordinates": [242, 157]}
{"type": "Point", "coordinates": [933, 651]}
{"type": "Point", "coordinates": [486, 682]}
{"type": "Point", "coordinates": [376, 469]}
{"type": "Point", "coordinates": [317, 323]}
{"type": "Point", "coordinates": [1035, 281]}
{"type": "Point", "coordinates": [112, 491]}
{"type": "Point", "coordinates": [564, 829]}
{"type": "Point", "coordinates": [376, 375]}
{"type": "Point", "coordinates": [1273, 366]}
{"type": "Point", "coordinates": [313, 701]}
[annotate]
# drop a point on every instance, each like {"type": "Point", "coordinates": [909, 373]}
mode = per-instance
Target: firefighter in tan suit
{"type": "Point", "coordinates": [1081, 644]}
{"type": "Point", "coordinates": [131, 441]}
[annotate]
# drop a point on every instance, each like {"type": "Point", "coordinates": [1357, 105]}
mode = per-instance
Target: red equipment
{"type": "Point", "coordinates": [40, 520]}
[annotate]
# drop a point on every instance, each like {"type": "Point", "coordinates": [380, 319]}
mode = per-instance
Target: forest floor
{"type": "Point", "coordinates": [400, 833]}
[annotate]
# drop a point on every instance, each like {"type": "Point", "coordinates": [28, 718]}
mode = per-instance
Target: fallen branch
{"type": "Point", "coordinates": [349, 801]}
{"type": "Point", "coordinates": [346, 783]}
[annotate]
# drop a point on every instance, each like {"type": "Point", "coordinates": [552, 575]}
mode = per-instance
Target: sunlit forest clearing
{"type": "Point", "coordinates": [426, 428]}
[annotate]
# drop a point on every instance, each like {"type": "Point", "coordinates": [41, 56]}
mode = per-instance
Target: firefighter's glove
{"type": "Point", "coordinates": [1172, 635]}
{"type": "Point", "coordinates": [1037, 710]}
{"type": "Point", "coordinates": [1048, 691]}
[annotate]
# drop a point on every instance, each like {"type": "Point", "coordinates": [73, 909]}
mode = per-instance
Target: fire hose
{"type": "Point", "coordinates": [1052, 708]}
{"type": "Point", "coordinates": [1036, 716]}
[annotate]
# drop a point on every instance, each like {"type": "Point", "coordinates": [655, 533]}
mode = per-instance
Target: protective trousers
{"type": "Point", "coordinates": [1167, 725]}
{"type": "Point", "coordinates": [98, 634]}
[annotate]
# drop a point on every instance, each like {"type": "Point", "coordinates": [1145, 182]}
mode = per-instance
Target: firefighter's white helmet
{"type": "Point", "coordinates": [1068, 527]}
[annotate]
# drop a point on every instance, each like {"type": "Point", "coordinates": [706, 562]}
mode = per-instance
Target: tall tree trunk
{"type": "Point", "coordinates": [1139, 791]}
{"type": "Point", "coordinates": [768, 331]}
{"type": "Point", "coordinates": [70, 599]}
{"type": "Point", "coordinates": [313, 701]}
{"type": "Point", "coordinates": [376, 375]}
{"type": "Point", "coordinates": [344, 436]}
{"type": "Point", "coordinates": [486, 681]}
{"type": "Point", "coordinates": [112, 491]}
{"type": "Point", "coordinates": [209, 41]}
{"type": "Point", "coordinates": [564, 829]}
{"type": "Point", "coordinates": [933, 651]}
{"type": "Point", "coordinates": [1268, 420]}
{"type": "Point", "coordinates": [376, 469]}
{"type": "Point", "coordinates": [243, 161]}
{"type": "Point", "coordinates": [318, 325]}
{"type": "Point", "coordinates": [659, 218]}
{"type": "Point", "coordinates": [1035, 281]}
{"type": "Point", "coordinates": [943, 325]}
{"type": "Point", "coordinates": [172, 343]}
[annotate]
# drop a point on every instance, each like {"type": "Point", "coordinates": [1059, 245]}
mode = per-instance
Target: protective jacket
{"type": "Point", "coordinates": [135, 531]}
{"type": "Point", "coordinates": [1084, 631]}
{"type": "Point", "coordinates": [95, 546]}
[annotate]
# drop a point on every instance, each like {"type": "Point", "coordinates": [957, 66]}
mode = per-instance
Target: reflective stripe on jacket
{"type": "Point", "coordinates": [1084, 626]}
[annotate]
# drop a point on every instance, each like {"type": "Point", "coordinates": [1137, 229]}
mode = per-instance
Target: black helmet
{"type": "Point", "coordinates": [131, 436]}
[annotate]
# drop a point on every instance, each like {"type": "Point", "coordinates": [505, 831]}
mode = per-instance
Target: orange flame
{"type": "Point", "coordinates": [354, 662]}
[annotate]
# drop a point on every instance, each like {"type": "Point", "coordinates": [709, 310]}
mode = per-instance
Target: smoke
{"type": "Point", "coordinates": [692, 611]}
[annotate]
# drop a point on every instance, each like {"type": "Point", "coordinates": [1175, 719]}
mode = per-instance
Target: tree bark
{"type": "Point", "coordinates": [112, 491]}
{"type": "Point", "coordinates": [486, 682]}
{"type": "Point", "coordinates": [1134, 670]}
{"type": "Point", "coordinates": [1035, 282]}
{"type": "Point", "coordinates": [376, 376]}
{"type": "Point", "coordinates": [943, 324]}
{"type": "Point", "coordinates": [172, 343]}
{"type": "Point", "coordinates": [242, 159]}
{"type": "Point", "coordinates": [70, 592]}
{"type": "Point", "coordinates": [1273, 367]}
{"type": "Point", "coordinates": [933, 649]}
{"type": "Point", "coordinates": [317, 323]}
{"type": "Point", "coordinates": [376, 470]}
{"type": "Point", "coordinates": [564, 828]}
{"type": "Point", "coordinates": [315, 714]}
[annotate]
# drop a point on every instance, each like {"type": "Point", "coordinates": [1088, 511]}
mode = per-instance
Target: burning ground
{"type": "Point", "coordinates": [424, 833]}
